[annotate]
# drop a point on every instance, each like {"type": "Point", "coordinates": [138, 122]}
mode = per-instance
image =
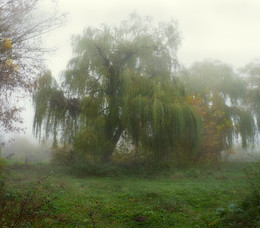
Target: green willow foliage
{"type": "Point", "coordinates": [54, 110]}
{"type": "Point", "coordinates": [252, 71]}
{"type": "Point", "coordinates": [121, 81]}
{"type": "Point", "coordinates": [222, 89]}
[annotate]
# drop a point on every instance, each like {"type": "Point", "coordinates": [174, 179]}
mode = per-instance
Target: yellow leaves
{"type": "Point", "coordinates": [7, 43]}
{"type": "Point", "coordinates": [193, 100]}
{"type": "Point", "coordinates": [10, 66]}
{"type": "Point", "coordinates": [7, 63]}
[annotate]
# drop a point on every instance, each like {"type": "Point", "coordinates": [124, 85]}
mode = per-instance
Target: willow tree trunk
{"type": "Point", "coordinates": [106, 158]}
{"type": "Point", "coordinates": [113, 137]}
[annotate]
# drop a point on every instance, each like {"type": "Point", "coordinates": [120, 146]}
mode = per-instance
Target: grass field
{"type": "Point", "coordinates": [174, 198]}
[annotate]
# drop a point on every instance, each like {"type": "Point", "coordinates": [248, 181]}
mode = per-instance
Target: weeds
{"type": "Point", "coordinates": [25, 205]}
{"type": "Point", "coordinates": [91, 213]}
{"type": "Point", "coordinates": [247, 212]}
{"type": "Point", "coordinates": [109, 196]}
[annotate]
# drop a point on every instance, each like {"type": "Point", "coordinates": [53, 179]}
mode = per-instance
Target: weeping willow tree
{"type": "Point", "coordinates": [252, 72]}
{"type": "Point", "coordinates": [121, 80]}
{"type": "Point", "coordinates": [223, 103]}
{"type": "Point", "coordinates": [54, 111]}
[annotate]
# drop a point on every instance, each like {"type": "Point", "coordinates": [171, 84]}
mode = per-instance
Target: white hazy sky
{"type": "Point", "coordinates": [227, 30]}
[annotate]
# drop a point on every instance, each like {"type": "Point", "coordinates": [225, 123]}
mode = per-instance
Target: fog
{"type": "Point", "coordinates": [238, 154]}
{"type": "Point", "coordinates": [218, 29]}
{"type": "Point", "coordinates": [143, 124]}
{"type": "Point", "coordinates": [23, 149]}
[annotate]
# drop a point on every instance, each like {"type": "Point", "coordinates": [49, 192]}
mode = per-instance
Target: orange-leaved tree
{"type": "Point", "coordinates": [216, 125]}
{"type": "Point", "coordinates": [220, 96]}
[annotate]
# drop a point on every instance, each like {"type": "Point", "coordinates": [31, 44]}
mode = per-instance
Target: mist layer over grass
{"type": "Point", "coordinates": [196, 197]}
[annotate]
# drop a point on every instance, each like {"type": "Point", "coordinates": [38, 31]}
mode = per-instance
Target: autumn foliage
{"type": "Point", "coordinates": [8, 81]}
{"type": "Point", "coordinates": [21, 55]}
{"type": "Point", "coordinates": [215, 126]}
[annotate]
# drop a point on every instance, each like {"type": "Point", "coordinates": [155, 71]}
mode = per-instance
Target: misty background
{"type": "Point", "coordinates": [217, 29]}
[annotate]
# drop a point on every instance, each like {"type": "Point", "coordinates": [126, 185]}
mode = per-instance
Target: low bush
{"type": "Point", "coordinates": [63, 155]}
{"type": "Point", "coordinates": [246, 213]}
{"type": "Point", "coordinates": [92, 169]}
{"type": "Point", "coordinates": [26, 205]}
{"type": "Point", "coordinates": [2, 163]}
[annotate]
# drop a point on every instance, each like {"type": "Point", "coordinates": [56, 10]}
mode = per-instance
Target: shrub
{"type": "Point", "coordinates": [95, 169]}
{"type": "Point", "coordinates": [247, 212]}
{"type": "Point", "coordinates": [63, 155]}
{"type": "Point", "coordinates": [2, 163]}
{"type": "Point", "coordinates": [24, 205]}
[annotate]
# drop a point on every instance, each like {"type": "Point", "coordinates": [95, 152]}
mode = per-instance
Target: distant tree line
{"type": "Point", "coordinates": [124, 85]}
{"type": "Point", "coordinates": [125, 82]}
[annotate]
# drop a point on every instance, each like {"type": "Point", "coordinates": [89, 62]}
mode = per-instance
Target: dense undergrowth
{"type": "Point", "coordinates": [27, 203]}
{"type": "Point", "coordinates": [245, 213]}
{"type": "Point", "coordinates": [42, 195]}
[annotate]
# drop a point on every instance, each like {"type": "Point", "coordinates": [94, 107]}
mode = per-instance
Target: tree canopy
{"type": "Point", "coordinates": [20, 54]}
{"type": "Point", "coordinates": [121, 80]}
{"type": "Point", "coordinates": [222, 98]}
{"type": "Point", "coordinates": [252, 72]}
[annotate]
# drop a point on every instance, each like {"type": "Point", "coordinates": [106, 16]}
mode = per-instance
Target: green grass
{"type": "Point", "coordinates": [172, 198]}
